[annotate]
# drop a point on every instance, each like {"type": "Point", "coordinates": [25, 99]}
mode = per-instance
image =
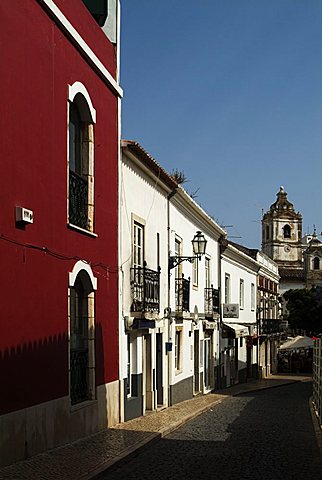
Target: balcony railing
{"type": "Point", "coordinates": [145, 285]}
{"type": "Point", "coordinates": [211, 301]}
{"type": "Point", "coordinates": [269, 326]}
{"type": "Point", "coordinates": [78, 200]}
{"type": "Point", "coordinates": [182, 294]}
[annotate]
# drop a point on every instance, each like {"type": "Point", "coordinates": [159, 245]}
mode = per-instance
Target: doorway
{"type": "Point", "coordinates": [148, 403]}
{"type": "Point", "coordinates": [207, 363]}
{"type": "Point", "coordinates": [159, 369]}
{"type": "Point", "coordinates": [196, 376]}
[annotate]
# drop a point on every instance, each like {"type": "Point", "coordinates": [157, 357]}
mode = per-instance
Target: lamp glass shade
{"type": "Point", "coordinates": [199, 244]}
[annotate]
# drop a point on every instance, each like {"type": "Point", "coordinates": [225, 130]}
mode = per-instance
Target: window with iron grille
{"type": "Point", "coordinates": [82, 374]}
{"type": "Point", "coordinates": [81, 159]}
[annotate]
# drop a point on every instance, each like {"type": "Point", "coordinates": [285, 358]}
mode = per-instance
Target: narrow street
{"type": "Point", "coordinates": [267, 434]}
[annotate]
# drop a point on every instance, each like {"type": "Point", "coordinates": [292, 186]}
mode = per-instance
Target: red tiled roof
{"type": "Point", "coordinates": [149, 162]}
{"type": "Point", "coordinates": [291, 273]}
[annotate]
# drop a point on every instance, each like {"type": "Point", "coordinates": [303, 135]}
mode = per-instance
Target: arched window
{"type": "Point", "coordinates": [287, 231]}
{"type": "Point", "coordinates": [316, 263]}
{"type": "Point", "coordinates": [76, 136]}
{"type": "Point", "coordinates": [82, 117]}
{"type": "Point", "coordinates": [81, 339]}
{"type": "Point", "coordinates": [267, 232]}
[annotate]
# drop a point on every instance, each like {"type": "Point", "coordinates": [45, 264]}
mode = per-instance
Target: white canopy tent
{"type": "Point", "coordinates": [297, 342]}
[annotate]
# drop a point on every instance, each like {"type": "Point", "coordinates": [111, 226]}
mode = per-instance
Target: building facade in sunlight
{"type": "Point", "coordinates": [299, 258]}
{"type": "Point", "coordinates": [188, 325]}
{"type": "Point", "coordinates": [239, 328]}
{"type": "Point", "coordinates": [58, 238]}
{"type": "Point", "coordinates": [282, 241]}
{"type": "Point", "coordinates": [169, 318]}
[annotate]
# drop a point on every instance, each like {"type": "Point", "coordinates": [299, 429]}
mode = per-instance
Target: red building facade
{"type": "Point", "coordinates": [58, 228]}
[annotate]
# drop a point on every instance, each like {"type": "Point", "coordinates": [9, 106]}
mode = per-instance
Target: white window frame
{"type": "Point", "coordinates": [79, 268]}
{"type": "Point", "coordinates": [195, 272]}
{"type": "Point", "coordinates": [241, 293]}
{"type": "Point", "coordinates": [138, 247]}
{"type": "Point", "coordinates": [178, 253]}
{"type": "Point", "coordinates": [252, 296]}
{"type": "Point", "coordinates": [178, 350]}
{"type": "Point", "coordinates": [78, 93]}
{"type": "Point", "coordinates": [227, 288]}
{"type": "Point", "coordinates": [207, 272]}
{"type": "Point", "coordinates": [129, 367]}
{"type": "Point", "coordinates": [201, 353]}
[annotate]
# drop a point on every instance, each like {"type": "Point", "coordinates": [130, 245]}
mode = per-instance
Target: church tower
{"type": "Point", "coordinates": [313, 262]}
{"type": "Point", "coordinates": [282, 241]}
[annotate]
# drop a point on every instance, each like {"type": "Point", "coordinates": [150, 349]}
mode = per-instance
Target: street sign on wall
{"type": "Point", "coordinates": [230, 310]}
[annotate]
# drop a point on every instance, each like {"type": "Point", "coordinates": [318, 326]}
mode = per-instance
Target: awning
{"type": "Point", "coordinates": [297, 342]}
{"type": "Point", "coordinates": [234, 330]}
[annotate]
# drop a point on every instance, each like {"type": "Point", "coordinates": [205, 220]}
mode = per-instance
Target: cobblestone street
{"type": "Point", "coordinates": [267, 434]}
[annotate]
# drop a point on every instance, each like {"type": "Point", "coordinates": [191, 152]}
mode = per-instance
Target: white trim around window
{"type": "Point", "coordinates": [241, 293]}
{"type": "Point", "coordinates": [252, 296]}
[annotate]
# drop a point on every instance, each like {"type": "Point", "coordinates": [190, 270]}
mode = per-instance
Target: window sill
{"type": "Point", "coordinates": [81, 230]}
{"type": "Point", "coordinates": [85, 404]}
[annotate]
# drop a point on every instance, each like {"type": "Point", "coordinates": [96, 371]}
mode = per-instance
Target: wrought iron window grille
{"type": "Point", "coordinates": [78, 201]}
{"type": "Point", "coordinates": [79, 376]}
{"type": "Point", "coordinates": [182, 290]}
{"type": "Point", "coordinates": [145, 285]}
{"type": "Point", "coordinates": [211, 301]}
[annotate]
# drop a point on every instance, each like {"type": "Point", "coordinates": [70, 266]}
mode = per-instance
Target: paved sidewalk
{"type": "Point", "coordinates": [84, 459]}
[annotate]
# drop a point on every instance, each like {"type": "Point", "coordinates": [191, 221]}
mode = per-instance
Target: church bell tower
{"type": "Point", "coordinates": [282, 239]}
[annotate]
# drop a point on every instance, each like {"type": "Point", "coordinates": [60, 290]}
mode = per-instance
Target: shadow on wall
{"type": "Point", "coordinates": [33, 373]}
{"type": "Point", "coordinates": [36, 374]}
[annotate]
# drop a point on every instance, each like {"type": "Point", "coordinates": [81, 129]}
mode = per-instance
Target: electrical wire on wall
{"type": "Point", "coordinates": [60, 256]}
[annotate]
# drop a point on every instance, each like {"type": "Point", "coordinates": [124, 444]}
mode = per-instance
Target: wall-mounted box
{"type": "Point", "coordinates": [23, 215]}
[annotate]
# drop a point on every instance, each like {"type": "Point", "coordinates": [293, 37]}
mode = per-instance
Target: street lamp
{"type": "Point", "coordinates": [199, 248]}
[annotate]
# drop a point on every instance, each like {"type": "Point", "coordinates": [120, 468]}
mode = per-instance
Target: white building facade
{"type": "Point", "coordinates": [269, 307]}
{"type": "Point", "coordinates": [239, 291]}
{"type": "Point", "coordinates": [169, 304]}
{"type": "Point", "coordinates": [143, 250]}
{"type": "Point", "coordinates": [194, 304]}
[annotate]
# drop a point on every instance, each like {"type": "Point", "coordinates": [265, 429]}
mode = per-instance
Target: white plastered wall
{"type": "Point", "coordinates": [144, 199]}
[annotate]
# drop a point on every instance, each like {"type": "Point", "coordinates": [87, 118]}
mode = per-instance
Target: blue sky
{"type": "Point", "coordinates": [230, 92]}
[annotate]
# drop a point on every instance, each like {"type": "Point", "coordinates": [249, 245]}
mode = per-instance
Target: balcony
{"type": "Point", "coordinates": [145, 286]}
{"type": "Point", "coordinates": [78, 200]}
{"type": "Point", "coordinates": [270, 326]}
{"type": "Point", "coordinates": [211, 301]}
{"type": "Point", "coordinates": [182, 295]}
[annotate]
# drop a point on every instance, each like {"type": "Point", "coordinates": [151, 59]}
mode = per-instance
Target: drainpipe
{"type": "Point", "coordinates": [171, 194]}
